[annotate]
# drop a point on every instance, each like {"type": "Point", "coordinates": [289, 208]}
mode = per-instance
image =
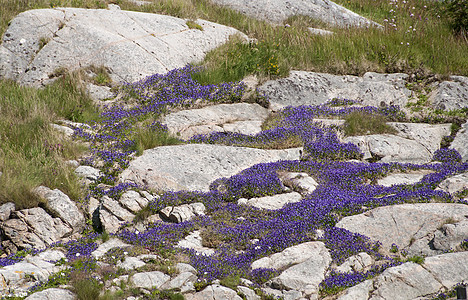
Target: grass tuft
{"type": "Point", "coordinates": [358, 123]}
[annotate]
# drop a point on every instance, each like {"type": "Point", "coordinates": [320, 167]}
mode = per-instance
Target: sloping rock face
{"type": "Point", "coordinates": [413, 281]}
{"type": "Point", "coordinates": [460, 142]}
{"type": "Point", "coordinates": [279, 10]}
{"type": "Point", "coordinates": [451, 95]}
{"type": "Point", "coordinates": [422, 228]}
{"type": "Point", "coordinates": [240, 117]}
{"type": "Point", "coordinates": [195, 166]}
{"type": "Point", "coordinates": [131, 45]}
{"type": "Point", "coordinates": [309, 88]}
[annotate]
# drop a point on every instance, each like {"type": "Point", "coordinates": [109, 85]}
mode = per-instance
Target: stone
{"type": "Point", "coordinates": [133, 201]}
{"type": "Point", "coordinates": [455, 183]}
{"type": "Point", "coordinates": [459, 142]}
{"type": "Point", "coordinates": [48, 255]}
{"type": "Point", "coordinates": [272, 202]}
{"type": "Point", "coordinates": [67, 131]}
{"type": "Point", "coordinates": [356, 263]}
{"type": "Point", "coordinates": [450, 236]}
{"type": "Point", "coordinates": [319, 31]}
{"type": "Point", "coordinates": [149, 280]}
{"type": "Point", "coordinates": [309, 88]}
{"type": "Point", "coordinates": [6, 210]}
{"type": "Point", "coordinates": [391, 148]}
{"type": "Point", "coordinates": [292, 295]}
{"type": "Point", "coordinates": [214, 292]}
{"type": "Point", "coordinates": [194, 166]}
{"type": "Point", "coordinates": [450, 95]}
{"type": "Point", "coordinates": [194, 241]}
{"type": "Point", "coordinates": [183, 267]}
{"type": "Point", "coordinates": [447, 268]}
{"type": "Point", "coordinates": [88, 172]}
{"type": "Point", "coordinates": [410, 226]}
{"type": "Point", "coordinates": [183, 212]}
{"type": "Point", "coordinates": [99, 93]}
{"type": "Point", "coordinates": [239, 117]}
{"type": "Point", "coordinates": [279, 10]}
{"type": "Point", "coordinates": [358, 292]}
{"type": "Point", "coordinates": [121, 41]}
{"type": "Point", "coordinates": [52, 294]}
{"type": "Point", "coordinates": [130, 263]}
{"type": "Point", "coordinates": [35, 228]}
{"type": "Point", "coordinates": [411, 177]}
{"type": "Point", "coordinates": [104, 247]}
{"type": "Point", "coordinates": [60, 205]}
{"type": "Point", "coordinates": [249, 294]}
{"type": "Point", "coordinates": [115, 209]}
{"type": "Point", "coordinates": [299, 182]}
{"type": "Point", "coordinates": [183, 279]}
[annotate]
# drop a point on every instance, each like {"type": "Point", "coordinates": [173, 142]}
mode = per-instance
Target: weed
{"type": "Point", "coordinates": [87, 288]}
{"type": "Point", "coordinates": [104, 236]}
{"type": "Point", "coordinates": [193, 25]}
{"type": "Point", "coordinates": [358, 123]}
{"type": "Point", "coordinates": [231, 281]}
{"type": "Point", "coordinates": [43, 41]}
{"type": "Point", "coordinates": [416, 259]}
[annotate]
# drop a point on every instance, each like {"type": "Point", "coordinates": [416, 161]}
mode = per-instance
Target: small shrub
{"type": "Point", "coordinates": [87, 289]}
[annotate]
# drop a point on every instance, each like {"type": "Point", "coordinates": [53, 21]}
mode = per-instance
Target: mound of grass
{"type": "Point", "coordinates": [359, 123]}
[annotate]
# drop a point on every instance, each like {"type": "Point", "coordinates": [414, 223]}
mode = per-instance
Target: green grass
{"type": "Point", "coordinates": [358, 123]}
{"type": "Point", "coordinates": [31, 152]}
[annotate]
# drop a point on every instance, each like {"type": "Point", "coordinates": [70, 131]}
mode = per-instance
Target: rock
{"type": "Point", "coordinates": [99, 93]}
{"type": "Point", "coordinates": [249, 294]}
{"type": "Point", "coordinates": [299, 182]}
{"type": "Point", "coordinates": [67, 131]}
{"type": "Point", "coordinates": [450, 95]}
{"type": "Point", "coordinates": [130, 263]}
{"type": "Point", "coordinates": [403, 178]}
{"type": "Point", "coordinates": [276, 294]}
{"type": "Point", "coordinates": [103, 248]}
{"type": "Point", "coordinates": [318, 31]}
{"type": "Point", "coordinates": [120, 214]}
{"type": "Point", "coordinates": [391, 148]}
{"type": "Point", "coordinates": [52, 294]}
{"type": "Point", "coordinates": [427, 135]}
{"type": "Point", "coordinates": [292, 295]}
{"type": "Point", "coordinates": [183, 267]}
{"type": "Point", "coordinates": [459, 142]}
{"type": "Point", "coordinates": [308, 273]}
{"type": "Point", "coordinates": [88, 172]}
{"type": "Point", "coordinates": [358, 292]}
{"type": "Point", "coordinates": [195, 166]}
{"type": "Point", "coordinates": [35, 228]}
{"type": "Point", "coordinates": [93, 206]}
{"type": "Point", "coordinates": [184, 279]}
{"type": "Point", "coordinates": [214, 292]}
{"type": "Point", "coordinates": [356, 263]}
{"type": "Point", "coordinates": [223, 117]}
{"type": "Point", "coordinates": [309, 88]}
{"type": "Point", "coordinates": [455, 183]}
{"type": "Point", "coordinates": [61, 206]}
{"type": "Point", "coordinates": [183, 212]}
{"type": "Point", "coordinates": [194, 241]}
{"type": "Point", "coordinates": [6, 210]}
{"type": "Point", "coordinates": [272, 202]}
{"type": "Point", "coordinates": [121, 41]}
{"type": "Point", "coordinates": [450, 236]}
{"type": "Point", "coordinates": [133, 201]}
{"type": "Point", "coordinates": [410, 226]}
{"type": "Point", "coordinates": [279, 10]}
{"type": "Point", "coordinates": [149, 280]}
{"type": "Point", "coordinates": [48, 255]}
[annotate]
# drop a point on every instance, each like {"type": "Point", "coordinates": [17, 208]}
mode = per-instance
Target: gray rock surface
{"type": "Point", "coordinates": [450, 95]}
{"type": "Point", "coordinates": [459, 142]}
{"type": "Point", "coordinates": [309, 88]}
{"type": "Point", "coordinates": [184, 281]}
{"type": "Point", "coordinates": [271, 202]}
{"type": "Point", "coordinates": [214, 292]}
{"type": "Point", "coordinates": [279, 10]}
{"type": "Point", "coordinates": [356, 263]}
{"type": "Point", "coordinates": [194, 241]}
{"type": "Point", "coordinates": [249, 294]}
{"type": "Point", "coordinates": [455, 183]}
{"type": "Point", "coordinates": [60, 205]}
{"type": "Point", "coordinates": [239, 117]}
{"type": "Point", "coordinates": [403, 178]}
{"type": "Point", "coordinates": [104, 247]}
{"type": "Point", "coordinates": [88, 172]}
{"type": "Point", "coordinates": [122, 41]}
{"type": "Point", "coordinates": [149, 280]}
{"type": "Point", "coordinates": [427, 135]}
{"type": "Point", "coordinates": [195, 166]}
{"type": "Point", "coordinates": [52, 294]}
{"type": "Point", "coordinates": [6, 210]}
{"type": "Point", "coordinates": [130, 263]}
{"type": "Point", "coordinates": [133, 201]}
{"type": "Point", "coordinates": [183, 212]}
{"type": "Point", "coordinates": [412, 227]}
{"type": "Point", "coordinates": [112, 215]}
{"type": "Point", "coordinates": [319, 31]}
{"type": "Point", "coordinates": [391, 148]}
{"type": "Point", "coordinates": [34, 228]}
{"type": "Point", "coordinates": [299, 182]}
{"type": "Point", "coordinates": [413, 281]}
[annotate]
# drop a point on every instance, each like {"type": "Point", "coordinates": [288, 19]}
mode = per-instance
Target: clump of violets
{"type": "Point", "coordinates": [448, 156]}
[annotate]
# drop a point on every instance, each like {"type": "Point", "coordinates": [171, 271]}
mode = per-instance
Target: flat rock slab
{"type": "Point", "coordinates": [239, 117]}
{"type": "Point", "coordinates": [461, 141]}
{"type": "Point", "coordinates": [131, 45]}
{"type": "Point", "coordinates": [413, 281]}
{"type": "Point", "coordinates": [410, 226]}
{"type": "Point", "coordinates": [391, 148]}
{"type": "Point", "coordinates": [271, 202]}
{"type": "Point", "coordinates": [450, 95]}
{"type": "Point", "coordinates": [52, 294]}
{"type": "Point", "coordinates": [309, 88]}
{"type": "Point", "coordinates": [149, 280]}
{"type": "Point", "coordinates": [194, 241]}
{"type": "Point", "coordinates": [194, 166]}
{"type": "Point", "coordinates": [279, 10]}
{"type": "Point", "coordinates": [403, 178]}
{"type": "Point", "coordinates": [214, 292]}
{"type": "Point", "coordinates": [455, 183]}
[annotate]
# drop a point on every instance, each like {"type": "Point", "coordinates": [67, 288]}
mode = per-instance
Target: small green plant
{"type": "Point", "coordinates": [87, 288]}
{"type": "Point", "coordinates": [147, 137]}
{"type": "Point", "coordinates": [416, 259]}
{"type": "Point", "coordinates": [193, 25]}
{"type": "Point", "coordinates": [231, 281]}
{"type": "Point", "coordinates": [104, 236]}
{"type": "Point", "coordinates": [43, 41]}
{"type": "Point", "coordinates": [457, 13]}
{"type": "Point", "coordinates": [359, 123]}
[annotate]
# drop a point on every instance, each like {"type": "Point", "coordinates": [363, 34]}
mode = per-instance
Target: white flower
{"type": "Point", "coordinates": [77, 254]}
